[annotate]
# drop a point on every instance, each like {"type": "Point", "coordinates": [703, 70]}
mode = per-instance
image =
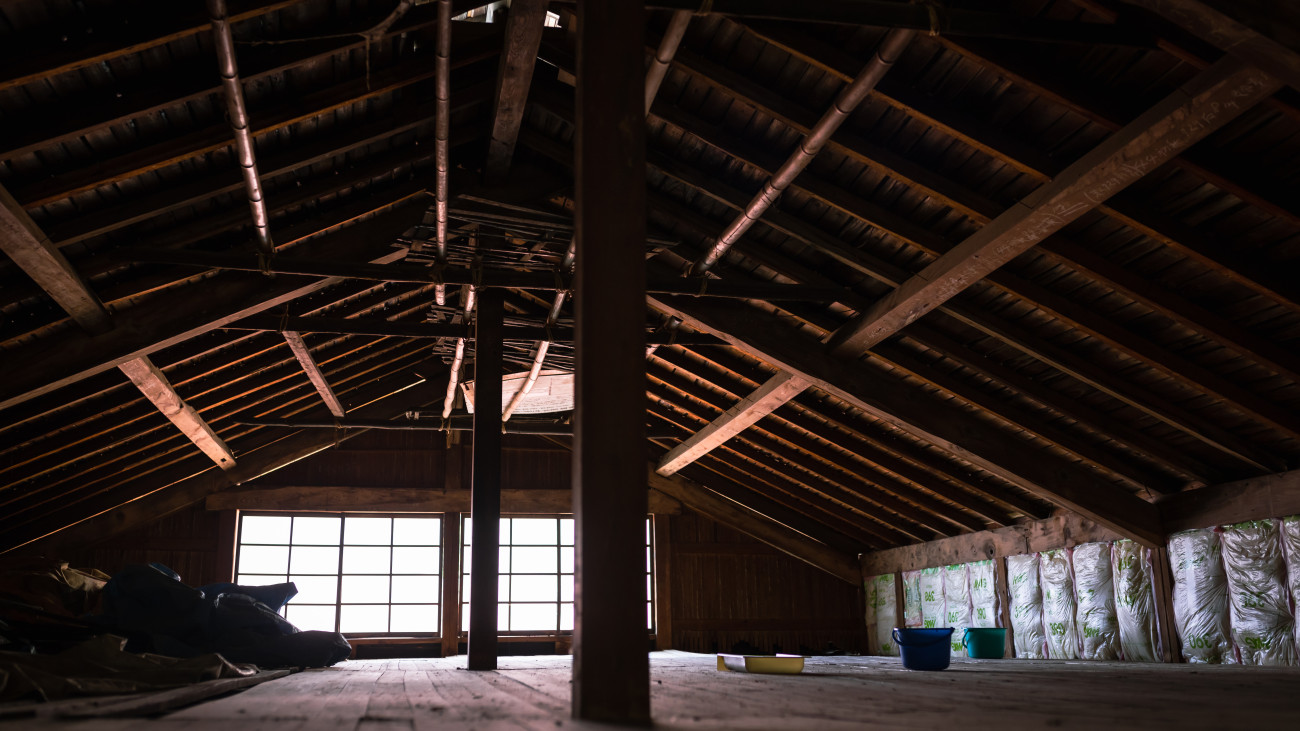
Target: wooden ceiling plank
{"type": "Point", "coordinates": [1123, 207]}
{"type": "Point", "coordinates": [1210, 100]}
{"type": "Point", "coordinates": [179, 488]}
{"type": "Point", "coordinates": [764, 475]}
{"type": "Point", "coordinates": [1077, 367]}
{"type": "Point", "coordinates": [840, 484]}
{"type": "Point", "coordinates": [155, 387]}
{"type": "Point", "coordinates": [779, 389]}
{"type": "Point", "coordinates": [175, 317]}
{"type": "Point", "coordinates": [141, 39]}
{"type": "Point", "coordinates": [704, 501]}
{"type": "Point", "coordinates": [523, 37]}
{"type": "Point", "coordinates": [24, 242]}
{"type": "Point", "coordinates": [313, 371]}
{"type": "Point", "coordinates": [404, 500]}
{"type": "Point", "coordinates": [943, 426]}
{"type": "Point", "coordinates": [785, 441]}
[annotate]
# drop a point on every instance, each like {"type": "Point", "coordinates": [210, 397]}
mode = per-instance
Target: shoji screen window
{"type": "Point", "coordinates": [355, 574]}
{"type": "Point", "coordinates": [535, 593]}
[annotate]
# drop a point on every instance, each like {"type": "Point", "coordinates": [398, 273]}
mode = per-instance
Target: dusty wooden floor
{"type": "Point", "coordinates": [689, 693]}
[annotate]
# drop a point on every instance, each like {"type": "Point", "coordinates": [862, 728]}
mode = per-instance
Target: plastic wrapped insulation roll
{"type": "Point", "coordinates": [1135, 608]}
{"type": "Point", "coordinates": [881, 613]}
{"type": "Point", "coordinates": [1200, 596]}
{"type": "Point", "coordinates": [983, 595]}
{"type": "Point", "coordinates": [1058, 605]}
{"type": "Point", "coordinates": [912, 598]}
{"type": "Point", "coordinates": [1291, 542]}
{"type": "Point", "coordinates": [956, 595]}
{"type": "Point", "coordinates": [1262, 626]}
{"type": "Point", "coordinates": [1095, 594]}
{"type": "Point", "coordinates": [1026, 607]}
{"type": "Point", "coordinates": [932, 603]}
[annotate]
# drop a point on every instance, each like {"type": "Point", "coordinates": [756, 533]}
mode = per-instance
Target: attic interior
{"type": "Point", "coordinates": [810, 321]}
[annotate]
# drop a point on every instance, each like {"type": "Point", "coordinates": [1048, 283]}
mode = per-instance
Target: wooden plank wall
{"type": "Point", "coordinates": [728, 588]}
{"type": "Point", "coordinates": [186, 541]}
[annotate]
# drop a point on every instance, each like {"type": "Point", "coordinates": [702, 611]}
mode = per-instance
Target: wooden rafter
{"type": "Point", "coordinates": [523, 36]}
{"type": "Point", "coordinates": [942, 425]}
{"type": "Point", "coordinates": [24, 242]}
{"type": "Point", "coordinates": [314, 374]}
{"type": "Point", "coordinates": [155, 387]}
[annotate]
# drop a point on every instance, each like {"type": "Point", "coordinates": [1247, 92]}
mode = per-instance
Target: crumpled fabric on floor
{"type": "Point", "coordinates": [102, 667]}
{"type": "Point", "coordinates": [52, 586]}
{"type": "Point", "coordinates": [160, 614]}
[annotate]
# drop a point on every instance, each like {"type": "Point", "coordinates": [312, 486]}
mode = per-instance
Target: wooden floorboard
{"type": "Point", "coordinates": [688, 692]}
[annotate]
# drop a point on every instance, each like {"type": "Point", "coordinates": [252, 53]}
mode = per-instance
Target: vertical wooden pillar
{"type": "Point", "coordinates": [900, 601]}
{"type": "Point", "coordinates": [611, 669]}
{"type": "Point", "coordinates": [663, 545]}
{"type": "Point", "coordinates": [1162, 591]}
{"type": "Point", "coordinates": [485, 498]}
{"type": "Point", "coordinates": [227, 540]}
{"type": "Point", "coordinates": [450, 584]}
{"type": "Point", "coordinates": [1000, 583]}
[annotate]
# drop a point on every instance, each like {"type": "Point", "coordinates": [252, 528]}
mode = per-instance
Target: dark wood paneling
{"type": "Point", "coordinates": [728, 589]}
{"type": "Point", "coordinates": [187, 542]}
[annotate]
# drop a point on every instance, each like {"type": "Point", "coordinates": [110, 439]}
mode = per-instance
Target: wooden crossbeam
{"type": "Point", "coordinates": [1207, 102]}
{"type": "Point", "coordinates": [768, 397]}
{"type": "Point", "coordinates": [28, 246]}
{"type": "Point", "coordinates": [155, 387]}
{"type": "Point", "coordinates": [1046, 475]}
{"type": "Point", "coordinates": [514, 76]}
{"type": "Point", "coordinates": [314, 374]}
{"type": "Point", "coordinates": [521, 501]}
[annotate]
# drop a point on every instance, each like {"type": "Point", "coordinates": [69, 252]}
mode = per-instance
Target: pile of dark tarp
{"type": "Point", "coordinates": [152, 631]}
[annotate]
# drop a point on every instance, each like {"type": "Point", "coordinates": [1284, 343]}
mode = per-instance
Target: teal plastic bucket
{"type": "Point", "coordinates": [923, 649]}
{"type": "Point", "coordinates": [986, 643]}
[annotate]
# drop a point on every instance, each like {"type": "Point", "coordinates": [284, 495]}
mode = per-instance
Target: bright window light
{"type": "Point", "coordinates": [536, 567]}
{"type": "Point", "coordinates": [355, 574]}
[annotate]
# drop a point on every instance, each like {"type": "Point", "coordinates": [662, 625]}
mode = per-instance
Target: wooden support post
{"type": "Point", "coordinates": [900, 600]}
{"type": "Point", "coordinates": [663, 547]}
{"type": "Point", "coordinates": [450, 584]}
{"type": "Point", "coordinates": [611, 670]}
{"type": "Point", "coordinates": [227, 540]}
{"type": "Point", "coordinates": [486, 498]}
{"type": "Point", "coordinates": [1000, 583]}
{"type": "Point", "coordinates": [1162, 590]}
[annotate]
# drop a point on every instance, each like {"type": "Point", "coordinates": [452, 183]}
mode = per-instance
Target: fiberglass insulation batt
{"type": "Point", "coordinates": [1200, 596]}
{"type": "Point", "coordinates": [1058, 605]}
{"type": "Point", "coordinates": [983, 595]}
{"type": "Point", "coordinates": [912, 599]}
{"type": "Point", "coordinates": [932, 604]}
{"type": "Point", "coordinates": [1291, 541]}
{"type": "Point", "coordinates": [956, 595]}
{"type": "Point", "coordinates": [881, 612]}
{"type": "Point", "coordinates": [1262, 626]}
{"type": "Point", "coordinates": [1135, 608]}
{"type": "Point", "coordinates": [1026, 606]}
{"type": "Point", "coordinates": [1094, 591]}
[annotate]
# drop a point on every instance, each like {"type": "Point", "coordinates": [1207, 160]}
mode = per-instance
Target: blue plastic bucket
{"type": "Point", "coordinates": [923, 649]}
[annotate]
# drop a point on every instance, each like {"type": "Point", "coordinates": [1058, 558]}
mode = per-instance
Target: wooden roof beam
{"type": "Point", "coordinates": [314, 374]}
{"type": "Point", "coordinates": [1205, 103]}
{"type": "Point", "coordinates": [524, 26]}
{"type": "Point", "coordinates": [24, 242]}
{"type": "Point", "coordinates": [1041, 473]}
{"type": "Point", "coordinates": [155, 387]}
